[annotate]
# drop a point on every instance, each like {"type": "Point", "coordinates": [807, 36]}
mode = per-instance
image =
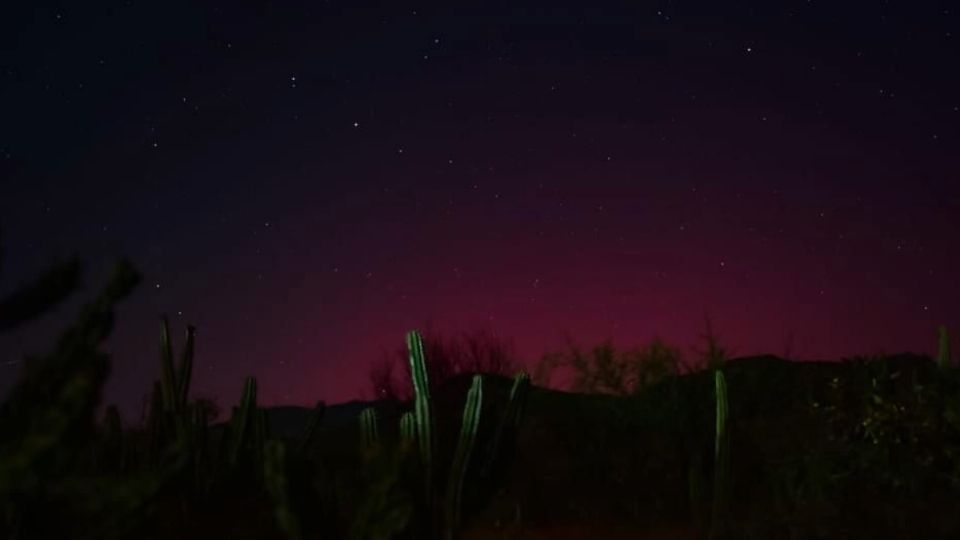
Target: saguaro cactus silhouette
{"type": "Point", "coordinates": [421, 410]}
{"type": "Point", "coordinates": [461, 458]}
{"type": "Point", "coordinates": [721, 445]}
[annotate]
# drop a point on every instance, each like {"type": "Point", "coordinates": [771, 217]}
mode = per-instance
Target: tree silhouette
{"type": "Point", "coordinates": [604, 369]}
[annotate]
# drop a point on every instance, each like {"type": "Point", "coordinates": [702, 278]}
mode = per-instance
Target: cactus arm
{"type": "Point", "coordinates": [244, 418]}
{"type": "Point", "coordinates": [721, 444]}
{"type": "Point", "coordinates": [468, 436]}
{"type": "Point", "coordinates": [408, 429]}
{"type": "Point", "coordinates": [168, 379]}
{"type": "Point", "coordinates": [186, 369]}
{"type": "Point", "coordinates": [422, 416]}
{"type": "Point", "coordinates": [369, 435]}
{"type": "Point", "coordinates": [510, 421]}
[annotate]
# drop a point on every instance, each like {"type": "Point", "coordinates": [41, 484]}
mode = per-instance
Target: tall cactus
{"type": "Point", "coordinates": [721, 453]}
{"type": "Point", "coordinates": [243, 421]}
{"type": "Point", "coordinates": [421, 411]}
{"type": "Point", "coordinates": [174, 380]}
{"type": "Point", "coordinates": [461, 458]}
{"type": "Point", "coordinates": [175, 420]}
{"type": "Point", "coordinates": [369, 434]}
{"type": "Point", "coordinates": [943, 353]}
{"type": "Point", "coordinates": [509, 422]}
{"type": "Point", "coordinates": [186, 367]}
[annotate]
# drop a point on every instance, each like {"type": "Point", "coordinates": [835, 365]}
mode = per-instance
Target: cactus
{"type": "Point", "coordinates": [721, 453]}
{"type": "Point", "coordinates": [313, 425]}
{"type": "Point", "coordinates": [174, 418]}
{"type": "Point", "coordinates": [422, 416]}
{"type": "Point", "coordinates": [168, 374]}
{"type": "Point", "coordinates": [458, 469]}
{"type": "Point", "coordinates": [943, 353]}
{"type": "Point", "coordinates": [509, 422]}
{"type": "Point", "coordinates": [369, 435]}
{"type": "Point", "coordinates": [175, 381]}
{"type": "Point", "coordinates": [186, 367]}
{"type": "Point", "coordinates": [243, 421]}
{"type": "Point", "coordinates": [408, 429]}
{"type": "Point", "coordinates": [277, 486]}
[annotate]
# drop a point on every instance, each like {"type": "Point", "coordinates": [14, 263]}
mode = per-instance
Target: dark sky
{"type": "Point", "coordinates": [306, 181]}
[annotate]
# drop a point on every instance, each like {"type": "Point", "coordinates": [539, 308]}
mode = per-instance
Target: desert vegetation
{"type": "Point", "coordinates": [715, 448]}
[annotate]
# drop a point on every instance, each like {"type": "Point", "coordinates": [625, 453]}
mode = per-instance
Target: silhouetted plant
{"type": "Point", "coordinates": [606, 370]}
{"type": "Point", "coordinates": [461, 457]}
{"type": "Point", "coordinates": [47, 421]}
{"type": "Point", "coordinates": [721, 455]}
{"type": "Point", "coordinates": [34, 299]}
{"type": "Point", "coordinates": [369, 432]}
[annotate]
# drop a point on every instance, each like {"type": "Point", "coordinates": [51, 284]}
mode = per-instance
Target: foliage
{"type": "Point", "coordinates": [606, 370]}
{"type": "Point", "coordinates": [48, 419]}
{"type": "Point", "coordinates": [868, 443]}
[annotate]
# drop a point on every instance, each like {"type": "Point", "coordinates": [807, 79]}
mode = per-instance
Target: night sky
{"type": "Point", "coordinates": [306, 181]}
